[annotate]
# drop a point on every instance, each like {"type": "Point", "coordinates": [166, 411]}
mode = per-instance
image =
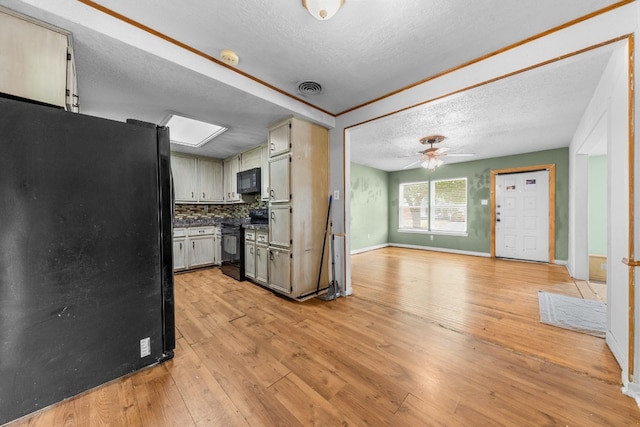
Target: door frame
{"type": "Point", "coordinates": [552, 204]}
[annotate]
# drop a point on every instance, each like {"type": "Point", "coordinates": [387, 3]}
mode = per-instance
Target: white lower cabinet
{"type": "Point", "coordinates": [217, 246]}
{"type": "Point", "coordinates": [179, 249]}
{"type": "Point", "coordinates": [256, 257]}
{"type": "Point", "coordinates": [250, 254]}
{"type": "Point", "coordinates": [200, 251]}
{"type": "Point", "coordinates": [280, 270]}
{"type": "Point", "coordinates": [262, 264]}
{"type": "Point", "coordinates": [280, 225]}
{"type": "Point", "coordinates": [195, 247]}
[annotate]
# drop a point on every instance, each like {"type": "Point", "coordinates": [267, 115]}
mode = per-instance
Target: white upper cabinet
{"type": "Point", "coordinates": [279, 168]}
{"type": "Point", "coordinates": [280, 139]}
{"type": "Point", "coordinates": [37, 62]}
{"type": "Point", "coordinates": [197, 179]}
{"type": "Point", "coordinates": [264, 178]}
{"type": "Point", "coordinates": [251, 159]}
{"type": "Point", "coordinates": [185, 181]}
{"type": "Point", "coordinates": [231, 169]}
{"type": "Point", "coordinates": [210, 180]}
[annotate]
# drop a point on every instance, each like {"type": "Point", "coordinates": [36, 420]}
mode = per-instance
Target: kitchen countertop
{"type": "Point", "coordinates": [256, 226]}
{"type": "Point", "coordinates": [197, 222]}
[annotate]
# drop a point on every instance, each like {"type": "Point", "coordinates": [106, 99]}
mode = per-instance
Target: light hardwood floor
{"type": "Point", "coordinates": [426, 339]}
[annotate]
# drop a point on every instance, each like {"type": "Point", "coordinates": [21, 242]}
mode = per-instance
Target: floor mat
{"type": "Point", "coordinates": [576, 314]}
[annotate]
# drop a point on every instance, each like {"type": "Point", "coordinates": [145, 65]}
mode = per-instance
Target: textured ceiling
{"type": "Point", "coordinates": [532, 111]}
{"type": "Point", "coordinates": [369, 49]}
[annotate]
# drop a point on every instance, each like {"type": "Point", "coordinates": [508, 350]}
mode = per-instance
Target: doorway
{"type": "Point", "coordinates": [523, 213]}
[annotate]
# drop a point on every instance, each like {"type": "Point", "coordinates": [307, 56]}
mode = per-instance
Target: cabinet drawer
{"type": "Point", "coordinates": [179, 232]}
{"type": "Point", "coordinates": [262, 237]}
{"type": "Point", "coordinates": [200, 231]}
{"type": "Point", "coordinates": [249, 235]}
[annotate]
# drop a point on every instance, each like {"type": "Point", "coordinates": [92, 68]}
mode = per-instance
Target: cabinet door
{"type": "Point", "coordinates": [72, 99]}
{"type": "Point", "coordinates": [231, 168]}
{"type": "Point", "coordinates": [250, 260]}
{"type": "Point", "coordinates": [280, 270]}
{"type": "Point", "coordinates": [183, 170]}
{"type": "Point", "coordinates": [179, 254]}
{"type": "Point", "coordinates": [280, 139]}
{"type": "Point", "coordinates": [251, 159]}
{"type": "Point", "coordinates": [217, 247]}
{"type": "Point", "coordinates": [210, 180]}
{"type": "Point", "coordinates": [262, 264]}
{"type": "Point", "coordinates": [279, 169]}
{"type": "Point", "coordinates": [200, 251]}
{"type": "Point", "coordinates": [34, 61]}
{"type": "Point", "coordinates": [264, 171]}
{"type": "Point", "coordinates": [279, 225]}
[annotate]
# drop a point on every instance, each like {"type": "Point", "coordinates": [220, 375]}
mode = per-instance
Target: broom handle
{"type": "Point", "coordinates": [324, 243]}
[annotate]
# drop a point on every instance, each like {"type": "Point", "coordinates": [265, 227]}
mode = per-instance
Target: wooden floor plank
{"type": "Point", "coordinates": [206, 400]}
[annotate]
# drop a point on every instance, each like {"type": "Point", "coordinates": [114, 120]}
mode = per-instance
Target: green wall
{"type": "Point", "coordinates": [369, 207]}
{"type": "Point", "coordinates": [598, 205]}
{"type": "Point", "coordinates": [478, 216]}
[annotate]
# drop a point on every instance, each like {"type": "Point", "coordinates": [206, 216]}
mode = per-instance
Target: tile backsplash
{"type": "Point", "coordinates": [193, 211]}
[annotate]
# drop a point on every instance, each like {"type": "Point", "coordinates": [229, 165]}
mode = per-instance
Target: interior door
{"type": "Point", "coordinates": [522, 216]}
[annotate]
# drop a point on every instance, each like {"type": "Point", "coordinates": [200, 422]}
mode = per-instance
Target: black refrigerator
{"type": "Point", "coordinates": [86, 271]}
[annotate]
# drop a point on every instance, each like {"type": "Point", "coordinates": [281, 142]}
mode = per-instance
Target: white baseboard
{"type": "Point", "coordinates": [437, 249]}
{"type": "Point", "coordinates": [369, 248]}
{"type": "Point", "coordinates": [433, 248]}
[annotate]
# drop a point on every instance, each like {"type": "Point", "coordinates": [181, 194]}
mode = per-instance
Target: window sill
{"type": "Point", "coordinates": [436, 233]}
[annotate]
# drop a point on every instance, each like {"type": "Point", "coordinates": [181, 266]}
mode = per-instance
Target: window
{"type": "Point", "coordinates": [414, 206]}
{"type": "Point", "coordinates": [438, 206]}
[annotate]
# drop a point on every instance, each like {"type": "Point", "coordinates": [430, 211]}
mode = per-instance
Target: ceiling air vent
{"type": "Point", "coordinates": [309, 87]}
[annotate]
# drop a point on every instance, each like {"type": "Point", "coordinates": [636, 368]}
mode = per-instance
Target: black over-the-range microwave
{"type": "Point", "coordinates": [249, 181]}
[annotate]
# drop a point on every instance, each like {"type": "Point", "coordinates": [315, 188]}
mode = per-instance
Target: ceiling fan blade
{"type": "Point", "coordinates": [460, 154]}
{"type": "Point", "coordinates": [442, 150]}
{"type": "Point", "coordinates": [411, 164]}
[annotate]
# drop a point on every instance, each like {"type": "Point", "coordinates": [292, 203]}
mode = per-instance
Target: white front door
{"type": "Point", "coordinates": [522, 215]}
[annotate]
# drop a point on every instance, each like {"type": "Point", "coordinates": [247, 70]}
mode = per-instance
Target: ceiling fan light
{"type": "Point", "coordinates": [432, 163]}
{"type": "Point", "coordinates": [322, 10]}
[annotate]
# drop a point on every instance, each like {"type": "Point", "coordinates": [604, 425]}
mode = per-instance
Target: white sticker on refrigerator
{"type": "Point", "coordinates": [145, 347]}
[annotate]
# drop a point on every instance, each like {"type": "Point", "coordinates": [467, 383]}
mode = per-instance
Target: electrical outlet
{"type": "Point", "coordinates": [336, 195]}
{"type": "Point", "coordinates": [603, 266]}
{"type": "Point", "coordinates": [145, 347]}
{"type": "Point", "coordinates": [431, 237]}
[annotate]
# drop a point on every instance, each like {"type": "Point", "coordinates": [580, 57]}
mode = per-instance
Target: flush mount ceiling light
{"type": "Point", "coordinates": [322, 10]}
{"type": "Point", "coordinates": [190, 132]}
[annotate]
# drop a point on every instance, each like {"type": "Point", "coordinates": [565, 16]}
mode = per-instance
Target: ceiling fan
{"type": "Point", "coordinates": [431, 158]}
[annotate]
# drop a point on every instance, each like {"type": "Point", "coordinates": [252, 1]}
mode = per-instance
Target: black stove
{"type": "Point", "coordinates": [233, 241]}
{"type": "Point", "coordinates": [232, 248]}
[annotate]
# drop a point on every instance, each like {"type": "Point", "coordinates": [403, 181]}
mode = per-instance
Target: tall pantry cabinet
{"type": "Point", "coordinates": [298, 208]}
